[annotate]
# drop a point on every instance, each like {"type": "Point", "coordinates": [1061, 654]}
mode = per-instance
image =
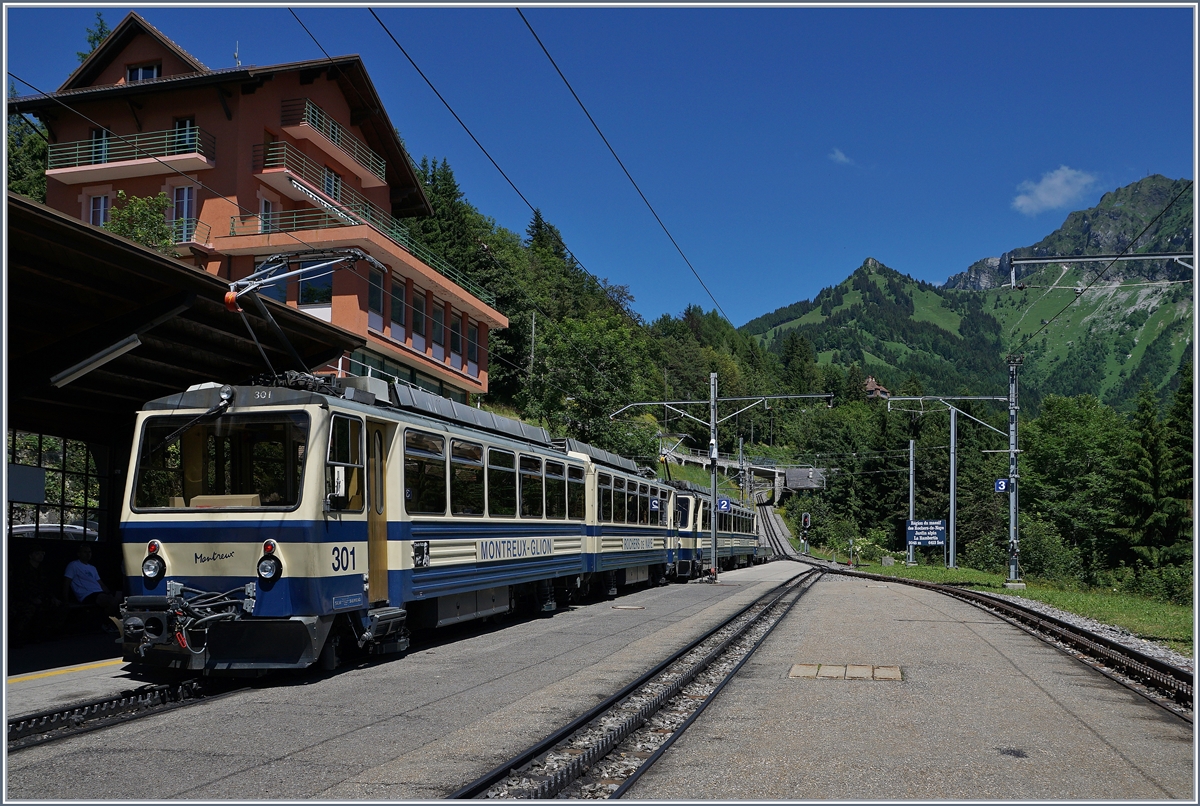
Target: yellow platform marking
{"type": "Point", "coordinates": [65, 670]}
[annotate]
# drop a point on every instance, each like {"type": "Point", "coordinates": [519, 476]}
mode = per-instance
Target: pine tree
{"type": "Point", "coordinates": [27, 153]}
{"type": "Point", "coordinates": [1143, 514]}
{"type": "Point", "coordinates": [95, 36]}
{"type": "Point", "coordinates": [1178, 439]}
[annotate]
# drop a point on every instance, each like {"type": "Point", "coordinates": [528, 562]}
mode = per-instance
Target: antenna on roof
{"type": "Point", "coordinates": [236, 47]}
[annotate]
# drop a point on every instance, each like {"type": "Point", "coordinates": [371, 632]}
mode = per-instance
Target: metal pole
{"type": "Point", "coordinates": [912, 493]}
{"type": "Point", "coordinates": [1014, 577]}
{"type": "Point", "coordinates": [953, 482]}
{"type": "Point", "coordinates": [741, 473]}
{"type": "Point", "coordinates": [712, 446]}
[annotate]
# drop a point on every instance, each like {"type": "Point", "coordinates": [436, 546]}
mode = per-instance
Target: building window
{"type": "Point", "coordinates": [275, 289]}
{"type": "Point", "coordinates": [185, 136]}
{"type": "Point", "coordinates": [375, 301]}
{"type": "Point", "coordinates": [98, 205]}
{"type": "Point", "coordinates": [185, 214]}
{"type": "Point", "coordinates": [100, 145]}
{"type": "Point", "coordinates": [332, 185]}
{"type": "Point", "coordinates": [439, 323]}
{"type": "Point", "coordinates": [315, 289]}
{"type": "Point", "coordinates": [473, 343]}
{"type": "Point", "coordinates": [143, 72]}
{"type": "Point", "coordinates": [397, 314]}
{"type": "Point", "coordinates": [62, 489]}
{"type": "Point", "coordinates": [418, 312]}
{"type": "Point", "coordinates": [456, 335]}
{"type": "Point", "coordinates": [266, 216]}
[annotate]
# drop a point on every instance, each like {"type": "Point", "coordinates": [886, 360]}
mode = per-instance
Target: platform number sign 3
{"type": "Point", "coordinates": [1001, 485]}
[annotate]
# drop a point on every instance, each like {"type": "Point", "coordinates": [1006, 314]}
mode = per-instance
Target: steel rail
{"type": "Point", "coordinates": [1175, 682]}
{"type": "Point", "coordinates": [807, 582]}
{"type": "Point", "coordinates": [54, 724]}
{"type": "Point", "coordinates": [513, 766]}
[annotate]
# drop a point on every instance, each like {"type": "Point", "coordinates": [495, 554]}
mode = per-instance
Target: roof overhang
{"type": "Point", "coordinates": [77, 292]}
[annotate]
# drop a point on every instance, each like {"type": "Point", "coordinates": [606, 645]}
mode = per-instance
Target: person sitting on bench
{"type": "Point", "coordinates": [83, 580]}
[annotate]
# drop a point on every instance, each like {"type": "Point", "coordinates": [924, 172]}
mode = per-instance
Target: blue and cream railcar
{"type": "Point", "coordinates": [629, 529]}
{"type": "Point", "coordinates": [273, 526]}
{"type": "Point", "coordinates": [736, 533]}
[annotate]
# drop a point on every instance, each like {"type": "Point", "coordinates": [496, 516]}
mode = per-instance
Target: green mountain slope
{"type": "Point", "coordinates": [1133, 325]}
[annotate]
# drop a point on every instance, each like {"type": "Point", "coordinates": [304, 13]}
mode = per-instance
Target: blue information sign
{"type": "Point", "coordinates": [724, 505]}
{"type": "Point", "coordinates": [926, 533]}
{"type": "Point", "coordinates": [1001, 485]}
{"type": "Point", "coordinates": [654, 505]}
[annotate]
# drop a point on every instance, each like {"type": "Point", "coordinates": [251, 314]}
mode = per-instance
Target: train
{"type": "Point", "coordinates": [306, 519]}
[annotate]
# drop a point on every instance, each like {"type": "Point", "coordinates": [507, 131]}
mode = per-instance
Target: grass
{"type": "Point", "coordinates": [1167, 624]}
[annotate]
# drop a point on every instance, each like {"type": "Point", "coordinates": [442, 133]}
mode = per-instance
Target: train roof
{"type": "Point", "coordinates": [318, 390]}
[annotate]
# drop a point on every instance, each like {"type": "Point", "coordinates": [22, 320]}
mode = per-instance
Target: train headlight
{"type": "Point", "coordinates": [269, 566]}
{"type": "Point", "coordinates": [153, 568]}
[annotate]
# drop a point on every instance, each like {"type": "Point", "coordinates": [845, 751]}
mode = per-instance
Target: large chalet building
{"type": "Point", "coordinates": [292, 159]}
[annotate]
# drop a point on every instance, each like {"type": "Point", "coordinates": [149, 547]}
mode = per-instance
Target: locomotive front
{"type": "Point", "coordinates": [221, 525]}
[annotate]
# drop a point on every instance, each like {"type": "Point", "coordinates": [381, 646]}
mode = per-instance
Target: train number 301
{"type": "Point", "coordinates": [343, 558]}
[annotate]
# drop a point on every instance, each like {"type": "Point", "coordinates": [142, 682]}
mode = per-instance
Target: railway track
{"type": "Point", "coordinates": [601, 753]}
{"type": "Point", "coordinates": [1166, 685]}
{"type": "Point", "coordinates": [49, 726]}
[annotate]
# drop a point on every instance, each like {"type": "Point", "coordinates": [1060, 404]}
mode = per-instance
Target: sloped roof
{"type": "Point", "coordinates": [408, 197]}
{"type": "Point", "coordinates": [115, 42]}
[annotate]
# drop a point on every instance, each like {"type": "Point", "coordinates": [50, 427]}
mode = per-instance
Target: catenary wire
{"type": "Point", "coordinates": [487, 251]}
{"type": "Point", "coordinates": [628, 176]}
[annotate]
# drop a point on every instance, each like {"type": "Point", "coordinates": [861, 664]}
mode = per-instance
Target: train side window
{"type": "Point", "coordinates": [466, 478]}
{"type": "Point", "coordinates": [705, 523]}
{"type": "Point", "coordinates": [664, 504]}
{"type": "Point", "coordinates": [424, 473]}
{"type": "Point", "coordinates": [344, 469]}
{"type": "Point", "coordinates": [532, 502]}
{"type": "Point", "coordinates": [556, 490]}
{"type": "Point", "coordinates": [502, 484]}
{"type": "Point", "coordinates": [606, 498]}
{"type": "Point", "coordinates": [618, 500]}
{"type": "Point", "coordinates": [682, 510]}
{"type": "Point", "coordinates": [631, 502]}
{"type": "Point", "coordinates": [644, 504]}
{"type": "Point", "coordinates": [576, 494]}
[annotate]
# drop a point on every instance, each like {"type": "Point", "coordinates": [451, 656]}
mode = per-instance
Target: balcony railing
{"type": "Point", "coordinates": [190, 230]}
{"type": "Point", "coordinates": [303, 111]}
{"type": "Point", "coordinates": [346, 209]}
{"type": "Point", "coordinates": [132, 147]}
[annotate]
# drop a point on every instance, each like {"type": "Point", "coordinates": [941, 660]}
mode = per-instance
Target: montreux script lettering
{"type": "Point", "coordinates": [212, 558]}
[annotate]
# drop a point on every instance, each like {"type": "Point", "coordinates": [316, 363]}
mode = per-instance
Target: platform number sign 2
{"type": "Point", "coordinates": [724, 505]}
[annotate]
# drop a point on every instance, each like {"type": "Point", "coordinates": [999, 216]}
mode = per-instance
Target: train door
{"type": "Point", "coordinates": [377, 552]}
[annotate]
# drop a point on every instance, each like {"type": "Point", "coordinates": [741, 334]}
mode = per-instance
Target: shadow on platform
{"type": "Point", "coordinates": [69, 650]}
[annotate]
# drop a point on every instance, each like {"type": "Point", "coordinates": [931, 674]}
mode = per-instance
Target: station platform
{"type": "Point", "coordinates": [64, 671]}
{"type": "Point", "coordinates": [875, 690]}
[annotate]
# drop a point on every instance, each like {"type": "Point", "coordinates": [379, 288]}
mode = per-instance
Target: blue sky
{"type": "Point", "coordinates": [781, 146]}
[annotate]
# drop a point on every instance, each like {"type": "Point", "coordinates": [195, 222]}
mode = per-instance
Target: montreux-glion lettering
{"type": "Point", "coordinates": [212, 558]}
{"type": "Point", "coordinates": [515, 548]}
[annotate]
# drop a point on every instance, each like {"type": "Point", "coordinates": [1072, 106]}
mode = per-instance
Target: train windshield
{"type": "Point", "coordinates": [243, 461]}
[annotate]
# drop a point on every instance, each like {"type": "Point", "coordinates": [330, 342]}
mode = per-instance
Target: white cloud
{"type": "Point", "coordinates": [837, 156]}
{"type": "Point", "coordinates": [1057, 189]}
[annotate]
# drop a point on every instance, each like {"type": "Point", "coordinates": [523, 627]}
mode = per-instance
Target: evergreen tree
{"type": "Point", "coordinates": [27, 153]}
{"type": "Point", "coordinates": [1143, 514]}
{"type": "Point", "coordinates": [1179, 445]}
{"type": "Point", "coordinates": [95, 36]}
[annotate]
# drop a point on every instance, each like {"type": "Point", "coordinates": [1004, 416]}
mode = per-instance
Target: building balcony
{"type": "Point", "coordinates": [305, 120]}
{"type": "Point", "coordinates": [287, 170]}
{"type": "Point", "coordinates": [190, 231]}
{"type": "Point", "coordinates": [144, 154]}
